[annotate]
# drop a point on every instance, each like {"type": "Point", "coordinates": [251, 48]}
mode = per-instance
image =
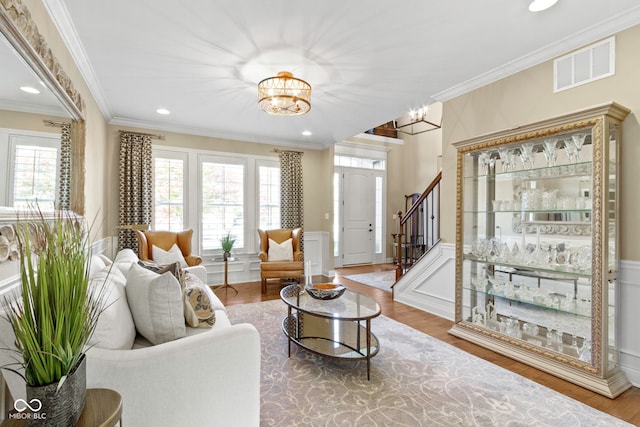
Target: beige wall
{"type": "Point", "coordinates": [96, 192]}
{"type": "Point", "coordinates": [527, 97]}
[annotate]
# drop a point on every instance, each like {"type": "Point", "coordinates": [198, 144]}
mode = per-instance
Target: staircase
{"type": "Point", "coordinates": [419, 228]}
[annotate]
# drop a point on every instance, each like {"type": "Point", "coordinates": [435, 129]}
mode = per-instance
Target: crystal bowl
{"type": "Point", "coordinates": [325, 291]}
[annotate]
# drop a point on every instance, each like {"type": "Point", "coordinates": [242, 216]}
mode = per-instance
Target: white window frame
{"type": "Point", "coordinates": [175, 155]}
{"type": "Point", "coordinates": [8, 141]}
{"type": "Point", "coordinates": [261, 163]}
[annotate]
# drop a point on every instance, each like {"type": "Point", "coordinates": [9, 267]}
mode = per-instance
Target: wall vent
{"type": "Point", "coordinates": [585, 65]}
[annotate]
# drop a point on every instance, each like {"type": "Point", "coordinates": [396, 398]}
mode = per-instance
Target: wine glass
{"type": "Point", "coordinates": [571, 150]}
{"type": "Point", "coordinates": [526, 155]}
{"type": "Point", "coordinates": [578, 141]}
{"type": "Point", "coordinates": [483, 162]}
{"type": "Point", "coordinates": [549, 149]}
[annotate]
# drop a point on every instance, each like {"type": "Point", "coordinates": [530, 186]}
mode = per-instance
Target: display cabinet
{"type": "Point", "coordinates": [537, 245]}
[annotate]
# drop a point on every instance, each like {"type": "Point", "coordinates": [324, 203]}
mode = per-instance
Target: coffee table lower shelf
{"type": "Point", "coordinates": [334, 338]}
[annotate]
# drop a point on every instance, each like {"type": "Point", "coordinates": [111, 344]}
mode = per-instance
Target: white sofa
{"type": "Point", "coordinates": [211, 377]}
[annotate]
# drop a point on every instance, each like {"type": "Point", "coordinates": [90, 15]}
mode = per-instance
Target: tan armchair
{"type": "Point", "coordinates": [280, 269]}
{"type": "Point", "coordinates": [165, 240]}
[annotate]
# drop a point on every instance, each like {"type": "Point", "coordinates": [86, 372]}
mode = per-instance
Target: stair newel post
{"type": "Point", "coordinates": [399, 246]}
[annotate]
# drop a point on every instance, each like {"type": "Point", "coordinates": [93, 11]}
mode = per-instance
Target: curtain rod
{"type": "Point", "coordinates": [57, 124]}
{"type": "Point", "coordinates": [277, 150]}
{"type": "Point", "coordinates": [152, 135]}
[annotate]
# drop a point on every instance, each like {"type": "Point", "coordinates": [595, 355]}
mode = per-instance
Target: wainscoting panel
{"type": "Point", "coordinates": [629, 319]}
{"type": "Point", "coordinates": [316, 250]}
{"type": "Point", "coordinates": [430, 284]}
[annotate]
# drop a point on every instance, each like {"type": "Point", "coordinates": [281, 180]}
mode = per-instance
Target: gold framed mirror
{"type": "Point", "coordinates": [30, 47]}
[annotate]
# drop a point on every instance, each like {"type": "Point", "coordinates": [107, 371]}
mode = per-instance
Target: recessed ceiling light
{"type": "Point", "coordinates": [29, 89]}
{"type": "Point", "coordinates": [307, 133]}
{"type": "Point", "coordinates": [163, 111]}
{"type": "Point", "coordinates": [540, 5]}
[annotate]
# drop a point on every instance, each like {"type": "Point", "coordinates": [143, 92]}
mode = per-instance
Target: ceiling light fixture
{"type": "Point", "coordinates": [416, 122]}
{"type": "Point", "coordinates": [284, 95]}
{"type": "Point", "coordinates": [163, 111]}
{"type": "Point", "coordinates": [307, 133]}
{"type": "Point", "coordinates": [540, 5]}
{"type": "Point", "coordinates": [29, 89]}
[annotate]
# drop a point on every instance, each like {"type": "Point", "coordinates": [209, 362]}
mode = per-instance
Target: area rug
{"type": "Point", "coordinates": [381, 279]}
{"type": "Point", "coordinates": [416, 380]}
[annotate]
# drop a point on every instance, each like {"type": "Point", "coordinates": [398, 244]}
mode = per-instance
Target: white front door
{"type": "Point", "coordinates": [359, 215]}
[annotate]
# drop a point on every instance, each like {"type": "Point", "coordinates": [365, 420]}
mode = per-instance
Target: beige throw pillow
{"type": "Point", "coordinates": [155, 301]}
{"type": "Point", "coordinates": [280, 251]}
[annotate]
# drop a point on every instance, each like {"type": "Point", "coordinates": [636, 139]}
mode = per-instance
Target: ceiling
{"type": "Point", "coordinates": [368, 61]}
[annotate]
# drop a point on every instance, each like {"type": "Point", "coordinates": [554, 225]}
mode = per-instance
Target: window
{"type": "Point", "coordinates": [169, 191]}
{"type": "Point", "coordinates": [378, 218]}
{"type": "Point", "coordinates": [269, 197]}
{"type": "Point", "coordinates": [222, 199]}
{"type": "Point", "coordinates": [35, 172]}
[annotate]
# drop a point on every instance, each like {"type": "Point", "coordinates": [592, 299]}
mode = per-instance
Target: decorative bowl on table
{"type": "Point", "coordinates": [325, 291]}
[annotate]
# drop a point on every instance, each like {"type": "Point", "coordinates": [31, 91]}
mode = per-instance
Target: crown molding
{"type": "Point", "coordinates": [62, 20]}
{"type": "Point", "coordinates": [585, 37]}
{"type": "Point", "coordinates": [120, 121]}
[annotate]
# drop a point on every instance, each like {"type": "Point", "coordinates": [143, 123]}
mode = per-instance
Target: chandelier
{"type": "Point", "coordinates": [284, 95]}
{"type": "Point", "coordinates": [417, 121]}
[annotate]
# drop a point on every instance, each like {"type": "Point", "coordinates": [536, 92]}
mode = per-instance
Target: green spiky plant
{"type": "Point", "coordinates": [56, 313]}
{"type": "Point", "coordinates": [227, 242]}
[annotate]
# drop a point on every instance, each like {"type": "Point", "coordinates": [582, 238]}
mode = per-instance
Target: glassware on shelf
{"type": "Point", "coordinates": [571, 150]}
{"type": "Point", "coordinates": [578, 141]}
{"type": "Point", "coordinates": [526, 155]}
{"type": "Point", "coordinates": [483, 163]}
{"type": "Point", "coordinates": [549, 149]}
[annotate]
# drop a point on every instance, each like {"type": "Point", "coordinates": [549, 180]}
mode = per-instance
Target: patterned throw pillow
{"type": "Point", "coordinates": [173, 268]}
{"type": "Point", "coordinates": [198, 302]}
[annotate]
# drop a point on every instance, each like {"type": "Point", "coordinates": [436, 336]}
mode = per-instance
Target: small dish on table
{"type": "Point", "coordinates": [325, 291]}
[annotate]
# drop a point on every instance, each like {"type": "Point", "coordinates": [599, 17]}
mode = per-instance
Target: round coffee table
{"type": "Point", "coordinates": [331, 328]}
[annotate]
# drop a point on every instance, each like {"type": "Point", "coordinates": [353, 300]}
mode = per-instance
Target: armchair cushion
{"type": "Point", "coordinates": [156, 304]}
{"type": "Point", "coordinates": [280, 251]}
{"type": "Point", "coordinates": [165, 240]}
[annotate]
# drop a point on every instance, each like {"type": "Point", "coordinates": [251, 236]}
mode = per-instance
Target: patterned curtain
{"type": "Point", "coordinates": [136, 186]}
{"type": "Point", "coordinates": [291, 191]}
{"type": "Point", "coordinates": [64, 175]}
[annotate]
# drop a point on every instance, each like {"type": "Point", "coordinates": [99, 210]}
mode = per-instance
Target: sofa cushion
{"type": "Point", "coordinates": [163, 257]}
{"type": "Point", "coordinates": [280, 251]}
{"type": "Point", "coordinates": [156, 304]}
{"type": "Point", "coordinates": [124, 259]}
{"type": "Point", "coordinates": [173, 268]}
{"type": "Point", "coordinates": [199, 301]}
{"type": "Point", "coordinates": [115, 328]}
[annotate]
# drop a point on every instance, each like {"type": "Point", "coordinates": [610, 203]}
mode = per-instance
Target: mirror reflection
{"type": "Point", "coordinates": [35, 138]}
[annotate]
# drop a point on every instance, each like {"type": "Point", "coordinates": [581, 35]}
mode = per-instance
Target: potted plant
{"type": "Point", "coordinates": [55, 314]}
{"type": "Point", "coordinates": [226, 242]}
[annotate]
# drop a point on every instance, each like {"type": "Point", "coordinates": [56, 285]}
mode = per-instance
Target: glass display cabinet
{"type": "Point", "coordinates": [537, 245]}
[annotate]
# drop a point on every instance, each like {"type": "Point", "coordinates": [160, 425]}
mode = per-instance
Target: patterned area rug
{"type": "Point", "coordinates": [381, 280]}
{"type": "Point", "coordinates": [416, 380]}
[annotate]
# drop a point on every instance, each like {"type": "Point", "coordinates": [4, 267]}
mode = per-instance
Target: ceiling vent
{"type": "Point", "coordinates": [593, 62]}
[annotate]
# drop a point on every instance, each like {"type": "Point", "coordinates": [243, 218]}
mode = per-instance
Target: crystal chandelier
{"type": "Point", "coordinates": [284, 95]}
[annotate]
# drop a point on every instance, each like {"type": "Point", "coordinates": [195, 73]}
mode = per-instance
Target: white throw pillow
{"type": "Point", "coordinates": [124, 259]}
{"type": "Point", "coordinates": [156, 304]}
{"type": "Point", "coordinates": [280, 251]}
{"type": "Point", "coordinates": [115, 329]}
{"type": "Point", "coordinates": [162, 257]}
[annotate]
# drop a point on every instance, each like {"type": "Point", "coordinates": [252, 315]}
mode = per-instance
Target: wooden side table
{"type": "Point", "coordinates": [226, 284]}
{"type": "Point", "coordinates": [102, 408]}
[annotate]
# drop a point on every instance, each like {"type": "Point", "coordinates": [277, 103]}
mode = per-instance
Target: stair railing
{"type": "Point", "coordinates": [419, 228]}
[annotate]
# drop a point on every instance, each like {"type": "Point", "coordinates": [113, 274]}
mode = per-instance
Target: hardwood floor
{"type": "Point", "coordinates": [625, 406]}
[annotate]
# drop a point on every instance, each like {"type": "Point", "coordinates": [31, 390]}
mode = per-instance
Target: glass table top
{"type": "Point", "coordinates": [350, 306]}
